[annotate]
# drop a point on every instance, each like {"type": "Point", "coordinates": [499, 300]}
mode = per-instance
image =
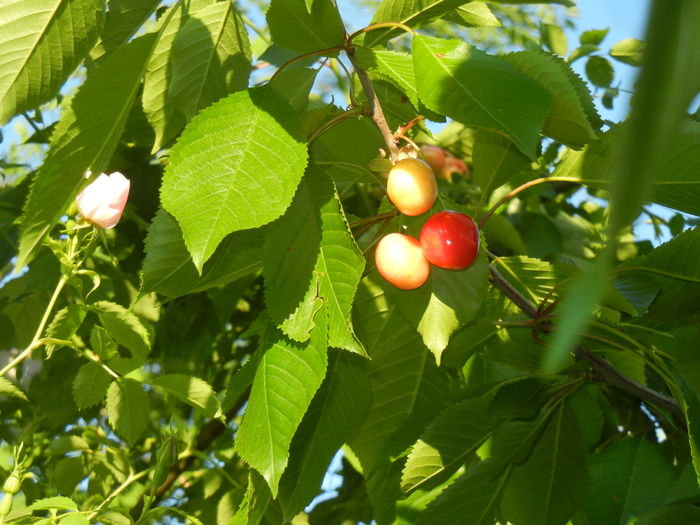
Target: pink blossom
{"type": "Point", "coordinates": [102, 201]}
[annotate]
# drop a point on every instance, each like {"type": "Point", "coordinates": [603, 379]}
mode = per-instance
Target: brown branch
{"type": "Point", "coordinates": [609, 373]}
{"type": "Point", "coordinates": [375, 108]}
{"type": "Point", "coordinates": [209, 432]}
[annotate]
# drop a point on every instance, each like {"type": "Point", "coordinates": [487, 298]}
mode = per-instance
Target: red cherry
{"type": "Point", "coordinates": [450, 240]}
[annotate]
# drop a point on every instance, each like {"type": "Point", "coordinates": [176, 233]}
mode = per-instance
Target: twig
{"type": "Point", "coordinates": [375, 108]}
{"type": "Point", "coordinates": [611, 375]}
{"type": "Point", "coordinates": [318, 52]}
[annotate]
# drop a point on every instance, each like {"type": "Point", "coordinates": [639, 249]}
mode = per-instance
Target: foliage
{"type": "Point", "coordinates": [207, 359]}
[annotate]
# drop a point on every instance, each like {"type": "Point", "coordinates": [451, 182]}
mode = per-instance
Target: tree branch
{"type": "Point", "coordinates": [611, 375]}
{"type": "Point", "coordinates": [375, 108]}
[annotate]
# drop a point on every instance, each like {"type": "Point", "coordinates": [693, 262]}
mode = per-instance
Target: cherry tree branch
{"type": "Point", "coordinates": [609, 373]}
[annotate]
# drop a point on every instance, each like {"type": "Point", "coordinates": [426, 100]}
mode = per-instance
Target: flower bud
{"type": "Point", "coordinates": [102, 201]}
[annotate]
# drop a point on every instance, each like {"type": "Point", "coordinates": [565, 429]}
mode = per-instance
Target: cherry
{"type": "Point", "coordinates": [411, 186]}
{"type": "Point", "coordinates": [436, 157]}
{"type": "Point", "coordinates": [400, 260]}
{"type": "Point", "coordinates": [450, 240]}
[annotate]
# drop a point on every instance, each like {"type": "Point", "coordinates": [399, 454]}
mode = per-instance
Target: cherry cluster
{"type": "Point", "coordinates": [448, 239]}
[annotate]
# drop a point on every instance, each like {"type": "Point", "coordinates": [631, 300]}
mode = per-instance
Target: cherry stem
{"type": "Point", "coordinates": [382, 25]}
{"type": "Point", "coordinates": [401, 131]}
{"type": "Point", "coordinates": [369, 221]}
{"type": "Point", "coordinates": [354, 112]}
{"type": "Point", "coordinates": [375, 108]}
{"type": "Point", "coordinates": [517, 190]}
{"type": "Point", "coordinates": [318, 52]}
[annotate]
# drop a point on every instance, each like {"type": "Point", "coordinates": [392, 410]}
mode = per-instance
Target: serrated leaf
{"type": "Point", "coordinates": [64, 325]}
{"type": "Point", "coordinates": [236, 166]}
{"type": "Point", "coordinates": [125, 327]}
{"type": "Point", "coordinates": [102, 343]}
{"type": "Point", "coordinates": [677, 258]}
{"type": "Point", "coordinates": [629, 51]}
{"type": "Point", "coordinates": [446, 444]}
{"type": "Point", "coordinates": [123, 19]}
{"type": "Point", "coordinates": [496, 159]}
{"type": "Point", "coordinates": [568, 120]}
{"type": "Point", "coordinates": [210, 58]}
{"type": "Point", "coordinates": [73, 518]}
{"type": "Point", "coordinates": [412, 13]}
{"type": "Point", "coordinates": [293, 26]}
{"type": "Point", "coordinates": [468, 341]}
{"type": "Point", "coordinates": [334, 414]}
{"type": "Point", "coordinates": [191, 390]}
{"type": "Point", "coordinates": [471, 500]}
{"type": "Point", "coordinates": [8, 388]}
{"type": "Point", "coordinates": [474, 14]}
{"type": "Point", "coordinates": [295, 84]}
{"type": "Point", "coordinates": [479, 90]}
{"type": "Point", "coordinates": [599, 71]}
{"type": "Point", "coordinates": [550, 486]}
{"type": "Point", "coordinates": [56, 502]}
{"type": "Point", "coordinates": [78, 145]}
{"type": "Point", "coordinates": [127, 408]}
{"type": "Point", "coordinates": [448, 301]}
{"type": "Point", "coordinates": [286, 380]}
{"type": "Point", "coordinates": [42, 42]}
{"type": "Point", "coordinates": [90, 385]}
{"type": "Point", "coordinates": [168, 267]}
{"type": "Point", "coordinates": [627, 478]}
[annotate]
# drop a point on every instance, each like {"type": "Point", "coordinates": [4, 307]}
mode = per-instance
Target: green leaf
{"type": "Point", "coordinates": [627, 478]}
{"type": "Point", "coordinates": [125, 327]}
{"type": "Point", "coordinates": [102, 343]}
{"type": "Point", "coordinates": [8, 388]}
{"type": "Point", "coordinates": [479, 90]}
{"type": "Point", "coordinates": [191, 390]}
{"type": "Point", "coordinates": [593, 36]}
{"type": "Point", "coordinates": [90, 385]}
{"type": "Point", "coordinates": [73, 518]}
{"type": "Point", "coordinates": [335, 413]}
{"type": "Point", "coordinates": [471, 500]}
{"type": "Point", "coordinates": [294, 84]}
{"type": "Point", "coordinates": [255, 502]}
{"type": "Point", "coordinates": [67, 473]}
{"type": "Point", "coordinates": [127, 408]}
{"type": "Point", "coordinates": [168, 267]}
{"type": "Point", "coordinates": [599, 71]}
{"type": "Point", "coordinates": [286, 380]}
{"type": "Point", "coordinates": [310, 257]}
{"type": "Point", "coordinates": [502, 237]}
{"type": "Point", "coordinates": [293, 26]}
{"type": "Point", "coordinates": [671, 515]}
{"type": "Point", "coordinates": [677, 258]}
{"type": "Point", "coordinates": [572, 119]}
{"type": "Point", "coordinates": [554, 38]}
{"type": "Point", "coordinates": [446, 444]}
{"type": "Point", "coordinates": [64, 325]}
{"type": "Point", "coordinates": [210, 58]}
{"type": "Point", "coordinates": [236, 166]}
{"type": "Point", "coordinates": [474, 14]}
{"type": "Point", "coordinates": [123, 19]}
{"type": "Point", "coordinates": [496, 160]}
{"type": "Point", "coordinates": [56, 502]}
{"type": "Point", "coordinates": [550, 486]}
{"type": "Point", "coordinates": [447, 301]}
{"type": "Point", "coordinates": [413, 13]}
{"type": "Point", "coordinates": [42, 42]}
{"type": "Point", "coordinates": [629, 51]}
{"type": "Point", "coordinates": [468, 341]}
{"type": "Point", "coordinates": [77, 146]}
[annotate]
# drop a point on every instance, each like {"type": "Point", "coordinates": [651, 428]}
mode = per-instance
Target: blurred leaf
{"type": "Point", "coordinates": [191, 390]}
{"type": "Point", "coordinates": [593, 36]}
{"type": "Point", "coordinates": [77, 146]}
{"type": "Point", "coordinates": [671, 515]}
{"type": "Point", "coordinates": [42, 42]}
{"type": "Point", "coordinates": [168, 267]}
{"type": "Point", "coordinates": [496, 159]}
{"type": "Point", "coordinates": [223, 162]}
{"type": "Point", "coordinates": [56, 502]}
{"type": "Point", "coordinates": [677, 258]}
{"type": "Point", "coordinates": [479, 90]}
{"type": "Point", "coordinates": [127, 408]}
{"type": "Point", "coordinates": [293, 26]}
{"type": "Point", "coordinates": [599, 71]}
{"type": "Point", "coordinates": [474, 14]}
{"type": "Point", "coordinates": [629, 51]}
{"type": "Point", "coordinates": [554, 38]}
{"type": "Point", "coordinates": [8, 388]}
{"type": "Point", "coordinates": [90, 385]}
{"type": "Point", "coordinates": [286, 380]}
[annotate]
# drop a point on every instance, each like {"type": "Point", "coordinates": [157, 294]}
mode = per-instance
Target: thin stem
{"type": "Point", "coordinates": [31, 122]}
{"type": "Point", "coordinates": [36, 340]}
{"type": "Point", "coordinates": [351, 113]}
{"type": "Point", "coordinates": [318, 52]}
{"type": "Point", "coordinates": [382, 25]}
{"type": "Point", "coordinates": [372, 220]}
{"type": "Point", "coordinates": [121, 488]}
{"type": "Point", "coordinates": [401, 131]}
{"type": "Point", "coordinates": [517, 190]}
{"type": "Point", "coordinates": [375, 108]}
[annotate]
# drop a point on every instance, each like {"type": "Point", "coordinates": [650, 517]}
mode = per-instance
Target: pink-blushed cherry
{"type": "Point", "coordinates": [450, 240]}
{"type": "Point", "coordinates": [411, 186]}
{"type": "Point", "coordinates": [400, 260]}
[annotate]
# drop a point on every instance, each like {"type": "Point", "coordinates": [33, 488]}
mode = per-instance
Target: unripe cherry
{"type": "Point", "coordinates": [400, 260]}
{"type": "Point", "coordinates": [411, 186]}
{"type": "Point", "coordinates": [450, 240]}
